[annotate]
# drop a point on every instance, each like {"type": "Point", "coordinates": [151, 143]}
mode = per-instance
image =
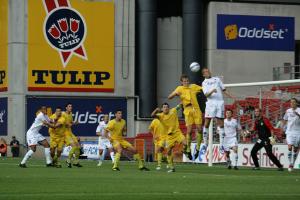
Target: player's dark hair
{"type": "Point", "coordinates": [294, 100]}
{"type": "Point", "coordinates": [165, 104]}
{"type": "Point", "coordinates": [230, 110]}
{"type": "Point", "coordinates": [58, 107]}
{"type": "Point", "coordinates": [69, 103]}
{"type": "Point", "coordinates": [183, 76]}
{"type": "Point", "coordinates": [118, 110]}
{"type": "Point", "coordinates": [260, 110]}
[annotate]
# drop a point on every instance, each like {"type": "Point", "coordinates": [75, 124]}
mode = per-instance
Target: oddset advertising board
{"type": "Point", "coordinates": [70, 46]}
{"type": "Point", "coordinates": [248, 32]}
{"type": "Point", "coordinates": [88, 112]}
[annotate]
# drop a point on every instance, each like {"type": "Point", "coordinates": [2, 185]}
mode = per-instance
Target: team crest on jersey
{"type": "Point", "coordinates": [65, 31]}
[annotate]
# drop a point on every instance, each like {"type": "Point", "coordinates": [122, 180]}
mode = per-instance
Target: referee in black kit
{"type": "Point", "coordinates": [264, 129]}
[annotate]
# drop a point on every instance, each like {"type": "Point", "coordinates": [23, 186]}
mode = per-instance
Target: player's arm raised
{"type": "Point", "coordinates": [174, 94]}
{"type": "Point", "coordinates": [154, 112]}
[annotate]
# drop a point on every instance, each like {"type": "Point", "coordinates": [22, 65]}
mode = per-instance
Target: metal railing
{"type": "Point", "coordinates": [286, 72]}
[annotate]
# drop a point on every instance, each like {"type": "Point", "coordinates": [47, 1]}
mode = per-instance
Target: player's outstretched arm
{"type": "Point", "coordinates": [173, 94]}
{"type": "Point", "coordinates": [208, 94]}
{"type": "Point", "coordinates": [153, 114]}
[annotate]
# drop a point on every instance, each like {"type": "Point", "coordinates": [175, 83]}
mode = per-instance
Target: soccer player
{"type": "Point", "coordinates": [231, 126]}
{"type": "Point", "coordinates": [70, 138]}
{"type": "Point", "coordinates": [57, 136]}
{"type": "Point", "coordinates": [213, 89]}
{"type": "Point", "coordinates": [159, 139]}
{"type": "Point", "coordinates": [169, 118]}
{"type": "Point", "coordinates": [292, 119]}
{"type": "Point", "coordinates": [191, 110]}
{"type": "Point", "coordinates": [117, 129]}
{"type": "Point", "coordinates": [34, 137]}
{"type": "Point", "coordinates": [103, 142]}
{"type": "Point", "coordinates": [264, 130]}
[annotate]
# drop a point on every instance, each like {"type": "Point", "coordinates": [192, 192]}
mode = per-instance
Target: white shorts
{"type": "Point", "coordinates": [214, 109]}
{"type": "Point", "coordinates": [104, 143]}
{"type": "Point", "coordinates": [33, 138]}
{"type": "Point", "coordinates": [229, 142]}
{"type": "Point", "coordinates": [293, 140]}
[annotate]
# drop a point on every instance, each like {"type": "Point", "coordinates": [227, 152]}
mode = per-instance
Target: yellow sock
{"type": "Point", "coordinates": [170, 161]}
{"type": "Point", "coordinates": [199, 140]}
{"type": "Point", "coordinates": [138, 158]}
{"type": "Point", "coordinates": [117, 160]}
{"type": "Point", "coordinates": [159, 159]}
{"type": "Point", "coordinates": [72, 151]}
{"type": "Point", "coordinates": [188, 142]}
{"type": "Point", "coordinates": [77, 154]}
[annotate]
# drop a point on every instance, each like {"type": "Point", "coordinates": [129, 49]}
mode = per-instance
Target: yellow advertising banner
{"type": "Point", "coordinates": [70, 46]}
{"type": "Point", "coordinates": [3, 45]}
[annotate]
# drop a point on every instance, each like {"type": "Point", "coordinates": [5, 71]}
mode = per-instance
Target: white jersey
{"type": "Point", "coordinates": [38, 122]}
{"type": "Point", "coordinates": [230, 127]}
{"type": "Point", "coordinates": [213, 83]}
{"type": "Point", "coordinates": [293, 121]}
{"type": "Point", "coordinates": [101, 128]}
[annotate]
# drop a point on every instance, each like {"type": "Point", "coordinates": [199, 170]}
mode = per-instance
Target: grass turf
{"type": "Point", "coordinates": [190, 181]}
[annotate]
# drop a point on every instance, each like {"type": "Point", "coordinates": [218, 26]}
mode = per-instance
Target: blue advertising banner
{"type": "Point", "coordinates": [3, 116]}
{"type": "Point", "coordinates": [247, 32]}
{"type": "Point", "coordinates": [86, 111]}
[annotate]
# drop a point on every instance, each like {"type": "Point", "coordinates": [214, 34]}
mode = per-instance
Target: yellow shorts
{"type": "Point", "coordinates": [57, 142]}
{"type": "Point", "coordinates": [173, 139]}
{"type": "Point", "coordinates": [124, 144]}
{"type": "Point", "coordinates": [192, 116]}
{"type": "Point", "coordinates": [70, 138]}
{"type": "Point", "coordinates": [160, 143]}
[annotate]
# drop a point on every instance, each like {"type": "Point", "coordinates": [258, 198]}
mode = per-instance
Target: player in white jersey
{"type": "Point", "coordinates": [231, 126]}
{"type": "Point", "coordinates": [34, 137]}
{"type": "Point", "coordinates": [104, 142]}
{"type": "Point", "coordinates": [213, 89]}
{"type": "Point", "coordinates": [292, 118]}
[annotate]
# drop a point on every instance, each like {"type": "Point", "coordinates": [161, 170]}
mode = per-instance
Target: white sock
{"type": "Point", "coordinates": [295, 157]}
{"type": "Point", "coordinates": [48, 156]}
{"type": "Point", "coordinates": [235, 158]}
{"type": "Point", "coordinates": [27, 156]}
{"type": "Point", "coordinates": [112, 156]}
{"type": "Point", "coordinates": [290, 157]}
{"type": "Point", "coordinates": [221, 135]}
{"type": "Point", "coordinates": [205, 135]}
{"type": "Point", "coordinates": [101, 157]}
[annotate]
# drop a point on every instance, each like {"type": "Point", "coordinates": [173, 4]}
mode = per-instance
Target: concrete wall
{"type": "Point", "coordinates": [241, 65]}
{"type": "Point", "coordinates": [17, 70]}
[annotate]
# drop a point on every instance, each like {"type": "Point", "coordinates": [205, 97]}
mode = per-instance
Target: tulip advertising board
{"type": "Point", "coordinates": [70, 46]}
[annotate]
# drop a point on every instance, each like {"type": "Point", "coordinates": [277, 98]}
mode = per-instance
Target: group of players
{"type": "Point", "coordinates": [165, 129]}
{"type": "Point", "coordinates": [60, 132]}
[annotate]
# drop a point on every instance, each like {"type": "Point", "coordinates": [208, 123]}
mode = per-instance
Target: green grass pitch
{"type": "Point", "coordinates": [190, 181]}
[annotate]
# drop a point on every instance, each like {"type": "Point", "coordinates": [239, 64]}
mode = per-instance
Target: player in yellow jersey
{"type": "Point", "coordinates": [159, 139]}
{"type": "Point", "coordinates": [117, 129]}
{"type": "Point", "coordinates": [70, 138]}
{"type": "Point", "coordinates": [169, 119]}
{"type": "Point", "coordinates": [57, 136]}
{"type": "Point", "coordinates": [191, 110]}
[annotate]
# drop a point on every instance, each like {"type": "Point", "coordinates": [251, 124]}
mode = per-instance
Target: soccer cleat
{"type": "Point", "coordinates": [69, 164]}
{"type": "Point", "coordinates": [22, 165]}
{"type": "Point", "coordinates": [144, 169]}
{"type": "Point", "coordinates": [229, 167]}
{"type": "Point", "coordinates": [77, 165]}
{"type": "Point", "coordinates": [99, 164]}
{"type": "Point", "coordinates": [256, 168]}
{"type": "Point", "coordinates": [235, 168]}
{"type": "Point", "coordinates": [50, 165]}
{"type": "Point", "coordinates": [158, 168]}
{"type": "Point", "coordinates": [167, 166]}
{"type": "Point", "coordinates": [204, 148]}
{"type": "Point", "coordinates": [280, 169]}
{"type": "Point", "coordinates": [115, 169]}
{"type": "Point", "coordinates": [171, 170]}
{"type": "Point", "coordinates": [196, 154]}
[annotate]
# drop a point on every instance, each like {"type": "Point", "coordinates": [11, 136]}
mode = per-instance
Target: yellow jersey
{"type": "Point", "coordinates": [169, 121]}
{"type": "Point", "coordinates": [188, 95]}
{"type": "Point", "coordinates": [116, 128]}
{"type": "Point", "coordinates": [69, 119]}
{"type": "Point", "coordinates": [59, 131]}
{"type": "Point", "coordinates": [157, 129]}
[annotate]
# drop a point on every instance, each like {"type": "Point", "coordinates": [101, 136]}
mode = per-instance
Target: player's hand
{"type": "Point", "coordinates": [214, 91]}
{"type": "Point", "coordinates": [272, 140]}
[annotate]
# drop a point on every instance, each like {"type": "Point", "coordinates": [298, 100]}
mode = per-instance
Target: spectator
{"type": "Point", "coordinates": [3, 147]}
{"type": "Point", "coordinates": [15, 147]}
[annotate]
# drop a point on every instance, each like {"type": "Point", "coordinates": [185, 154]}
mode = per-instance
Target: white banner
{"type": "Point", "coordinates": [90, 150]}
{"type": "Point", "coordinates": [244, 154]}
